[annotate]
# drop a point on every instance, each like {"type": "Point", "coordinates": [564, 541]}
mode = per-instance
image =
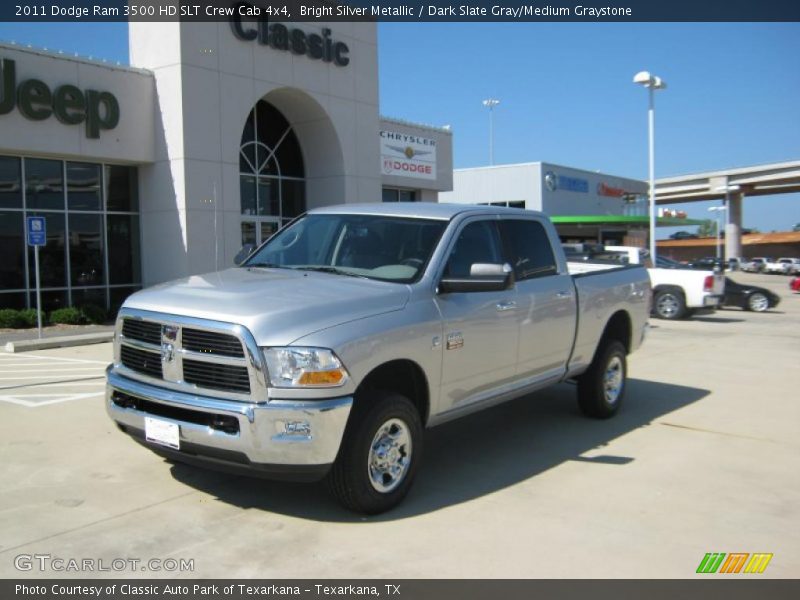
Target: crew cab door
{"type": "Point", "coordinates": [546, 300]}
{"type": "Point", "coordinates": [480, 330]}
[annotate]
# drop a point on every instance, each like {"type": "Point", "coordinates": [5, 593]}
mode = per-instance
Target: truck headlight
{"type": "Point", "coordinates": [304, 367]}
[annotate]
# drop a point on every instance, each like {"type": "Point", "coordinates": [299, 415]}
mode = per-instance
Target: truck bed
{"type": "Point", "coordinates": [604, 289]}
{"type": "Point", "coordinates": [580, 268]}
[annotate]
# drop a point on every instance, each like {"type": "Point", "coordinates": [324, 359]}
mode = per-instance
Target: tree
{"type": "Point", "coordinates": [707, 228]}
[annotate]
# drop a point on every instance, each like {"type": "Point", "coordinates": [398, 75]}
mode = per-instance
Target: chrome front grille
{"type": "Point", "coordinates": [188, 354]}
{"type": "Point", "coordinates": [216, 377]}
{"type": "Point", "coordinates": [210, 342]}
{"type": "Point", "coordinates": [141, 361]}
{"type": "Point", "coordinates": [144, 331]}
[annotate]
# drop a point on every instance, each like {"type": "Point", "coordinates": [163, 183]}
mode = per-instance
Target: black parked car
{"type": "Point", "coordinates": [749, 297]}
{"type": "Point", "coordinates": [707, 263]}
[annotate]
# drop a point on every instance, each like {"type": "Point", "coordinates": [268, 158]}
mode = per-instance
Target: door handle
{"type": "Point", "coordinates": [506, 305]}
{"type": "Point", "coordinates": [563, 294]}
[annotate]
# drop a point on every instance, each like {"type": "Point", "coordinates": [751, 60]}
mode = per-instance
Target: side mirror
{"type": "Point", "coordinates": [483, 277]}
{"type": "Point", "coordinates": [243, 254]}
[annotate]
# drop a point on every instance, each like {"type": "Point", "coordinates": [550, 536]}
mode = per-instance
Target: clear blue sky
{"type": "Point", "coordinates": [566, 92]}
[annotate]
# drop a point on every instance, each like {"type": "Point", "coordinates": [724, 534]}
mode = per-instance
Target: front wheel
{"type": "Point", "coordinates": [758, 302]}
{"type": "Point", "coordinates": [602, 387]}
{"type": "Point", "coordinates": [380, 453]}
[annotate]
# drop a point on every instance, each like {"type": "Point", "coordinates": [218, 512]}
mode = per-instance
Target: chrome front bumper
{"type": "Point", "coordinates": [285, 434]}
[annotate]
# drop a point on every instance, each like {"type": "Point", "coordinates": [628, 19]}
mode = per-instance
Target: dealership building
{"type": "Point", "coordinates": [585, 206]}
{"type": "Point", "coordinates": [215, 136]}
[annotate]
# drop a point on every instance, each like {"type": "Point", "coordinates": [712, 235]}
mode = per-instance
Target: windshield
{"type": "Point", "coordinates": [373, 246]}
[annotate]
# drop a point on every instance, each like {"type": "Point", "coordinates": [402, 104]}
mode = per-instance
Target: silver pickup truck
{"type": "Point", "coordinates": [350, 331]}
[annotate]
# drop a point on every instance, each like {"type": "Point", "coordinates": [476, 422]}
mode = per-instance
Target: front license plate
{"type": "Point", "coordinates": [162, 432]}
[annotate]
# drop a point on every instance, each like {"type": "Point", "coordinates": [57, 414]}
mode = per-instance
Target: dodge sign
{"type": "Point", "coordinates": [408, 155]}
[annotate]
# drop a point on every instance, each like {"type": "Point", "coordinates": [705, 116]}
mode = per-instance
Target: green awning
{"type": "Point", "coordinates": [644, 221]}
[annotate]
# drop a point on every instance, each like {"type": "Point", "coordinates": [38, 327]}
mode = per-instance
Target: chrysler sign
{"type": "Point", "coordinates": [407, 155]}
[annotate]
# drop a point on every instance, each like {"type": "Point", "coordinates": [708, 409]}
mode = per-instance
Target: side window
{"type": "Point", "coordinates": [478, 242]}
{"type": "Point", "coordinates": [529, 248]}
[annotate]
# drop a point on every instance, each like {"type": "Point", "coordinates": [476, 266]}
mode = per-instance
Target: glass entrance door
{"type": "Point", "coordinates": [256, 231]}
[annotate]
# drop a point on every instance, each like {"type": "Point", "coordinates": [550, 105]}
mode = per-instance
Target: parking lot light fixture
{"type": "Point", "coordinates": [718, 210]}
{"type": "Point", "coordinates": [490, 103]}
{"type": "Point", "coordinates": [652, 83]}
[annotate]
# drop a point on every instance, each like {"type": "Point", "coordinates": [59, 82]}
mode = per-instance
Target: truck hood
{"type": "Point", "coordinates": [278, 306]}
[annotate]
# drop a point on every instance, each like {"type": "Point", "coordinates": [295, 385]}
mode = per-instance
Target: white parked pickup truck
{"type": "Point", "coordinates": [782, 266]}
{"type": "Point", "coordinates": [343, 336]}
{"type": "Point", "coordinates": [792, 265]}
{"type": "Point", "coordinates": [677, 292]}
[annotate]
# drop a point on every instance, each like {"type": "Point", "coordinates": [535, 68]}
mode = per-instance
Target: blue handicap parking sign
{"type": "Point", "coordinates": [37, 231]}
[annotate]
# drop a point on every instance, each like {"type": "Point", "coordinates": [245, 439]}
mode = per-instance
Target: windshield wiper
{"type": "Point", "coordinates": [335, 270]}
{"type": "Point", "coordinates": [266, 265]}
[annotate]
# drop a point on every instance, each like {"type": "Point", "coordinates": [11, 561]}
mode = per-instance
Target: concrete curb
{"type": "Point", "coordinates": [64, 341]}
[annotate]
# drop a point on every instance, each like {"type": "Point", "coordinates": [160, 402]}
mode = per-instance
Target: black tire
{"type": "Point", "coordinates": [757, 302]}
{"type": "Point", "coordinates": [352, 480]}
{"type": "Point", "coordinates": [669, 304]}
{"type": "Point", "coordinates": [593, 398]}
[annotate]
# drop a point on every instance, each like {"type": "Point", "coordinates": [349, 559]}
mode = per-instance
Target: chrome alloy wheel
{"type": "Point", "coordinates": [667, 305]}
{"type": "Point", "coordinates": [613, 380]}
{"type": "Point", "coordinates": [758, 302]}
{"type": "Point", "coordinates": [389, 456]}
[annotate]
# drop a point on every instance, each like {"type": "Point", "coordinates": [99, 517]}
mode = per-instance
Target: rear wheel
{"type": "Point", "coordinates": [602, 387]}
{"type": "Point", "coordinates": [758, 302]}
{"type": "Point", "coordinates": [380, 453]}
{"type": "Point", "coordinates": [669, 304]}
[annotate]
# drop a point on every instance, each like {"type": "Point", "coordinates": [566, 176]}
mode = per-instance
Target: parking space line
{"type": "Point", "coordinates": [56, 399]}
{"type": "Point", "coordinates": [40, 365]}
{"type": "Point", "coordinates": [70, 382]}
{"type": "Point", "coordinates": [35, 380]}
{"type": "Point", "coordinates": [57, 358]}
{"type": "Point", "coordinates": [26, 377]}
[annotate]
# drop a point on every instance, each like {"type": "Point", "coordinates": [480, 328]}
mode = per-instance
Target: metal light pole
{"type": "Point", "coordinates": [490, 103]}
{"type": "Point", "coordinates": [652, 83]}
{"type": "Point", "coordinates": [718, 209]}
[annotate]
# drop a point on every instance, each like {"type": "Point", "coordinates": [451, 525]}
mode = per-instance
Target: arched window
{"type": "Point", "coordinates": [271, 173]}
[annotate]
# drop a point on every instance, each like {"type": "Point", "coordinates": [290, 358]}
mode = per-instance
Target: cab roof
{"type": "Point", "coordinates": [420, 210]}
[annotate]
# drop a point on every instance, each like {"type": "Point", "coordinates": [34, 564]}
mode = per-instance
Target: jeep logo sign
{"type": "Point", "coordinates": [70, 105]}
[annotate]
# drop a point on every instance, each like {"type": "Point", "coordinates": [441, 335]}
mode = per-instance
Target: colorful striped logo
{"type": "Point", "coordinates": [735, 562]}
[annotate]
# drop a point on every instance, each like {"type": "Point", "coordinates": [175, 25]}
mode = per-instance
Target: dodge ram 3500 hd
{"type": "Point", "coordinates": [331, 348]}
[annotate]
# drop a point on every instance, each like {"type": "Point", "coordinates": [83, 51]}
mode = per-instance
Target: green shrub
{"type": "Point", "coordinates": [68, 316]}
{"type": "Point", "coordinates": [94, 314]}
{"type": "Point", "coordinates": [28, 317]}
{"type": "Point", "coordinates": [10, 318]}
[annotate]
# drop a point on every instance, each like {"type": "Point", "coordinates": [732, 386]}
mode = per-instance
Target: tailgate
{"type": "Point", "coordinates": [719, 284]}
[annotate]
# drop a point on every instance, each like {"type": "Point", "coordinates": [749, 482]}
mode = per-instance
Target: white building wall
{"type": "Point", "coordinates": [131, 141]}
{"type": "Point", "coordinates": [502, 183]}
{"type": "Point", "coordinates": [207, 82]}
{"type": "Point", "coordinates": [563, 201]}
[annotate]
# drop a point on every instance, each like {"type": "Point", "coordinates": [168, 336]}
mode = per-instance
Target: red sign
{"type": "Point", "coordinates": [391, 166]}
{"type": "Point", "coordinates": [607, 190]}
